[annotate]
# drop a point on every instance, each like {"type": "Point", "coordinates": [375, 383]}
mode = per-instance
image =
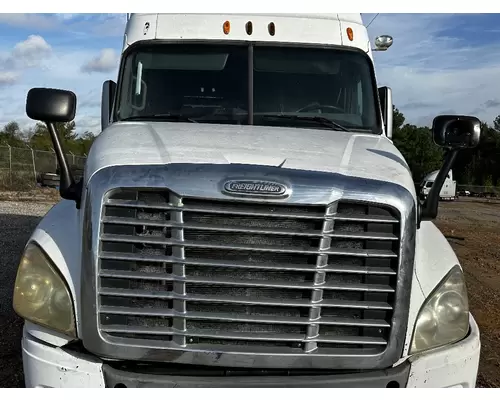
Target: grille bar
{"type": "Point", "coordinates": [242, 318]}
{"type": "Point", "coordinates": [140, 330]}
{"type": "Point", "coordinates": [375, 219]}
{"type": "Point", "coordinates": [179, 270]}
{"type": "Point", "coordinates": [175, 242]}
{"type": "Point", "coordinates": [225, 264]}
{"type": "Point", "coordinates": [221, 228]}
{"type": "Point", "coordinates": [238, 282]}
{"type": "Point", "coordinates": [170, 295]}
{"type": "Point", "coordinates": [237, 211]}
{"type": "Point", "coordinates": [319, 281]}
{"type": "Point", "coordinates": [211, 209]}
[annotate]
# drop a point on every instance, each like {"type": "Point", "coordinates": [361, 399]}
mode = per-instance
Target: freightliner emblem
{"type": "Point", "coordinates": [255, 188]}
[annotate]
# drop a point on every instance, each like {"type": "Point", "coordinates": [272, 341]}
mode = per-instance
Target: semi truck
{"type": "Point", "coordinates": [244, 220]}
{"type": "Point", "coordinates": [448, 190]}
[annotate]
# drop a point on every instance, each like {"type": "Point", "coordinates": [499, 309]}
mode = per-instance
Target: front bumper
{"type": "Point", "coordinates": [450, 366]}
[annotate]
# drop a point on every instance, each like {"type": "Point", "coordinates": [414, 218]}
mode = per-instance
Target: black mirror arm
{"type": "Point", "coordinates": [429, 209]}
{"type": "Point", "coordinates": [68, 189]}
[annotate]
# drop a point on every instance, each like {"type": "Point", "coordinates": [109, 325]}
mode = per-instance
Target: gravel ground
{"type": "Point", "coordinates": [475, 222]}
{"type": "Point", "coordinates": [18, 220]}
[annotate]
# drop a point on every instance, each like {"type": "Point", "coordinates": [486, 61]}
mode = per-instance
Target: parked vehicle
{"type": "Point", "coordinates": [244, 219]}
{"type": "Point", "coordinates": [448, 191]}
{"type": "Point", "coordinates": [48, 179]}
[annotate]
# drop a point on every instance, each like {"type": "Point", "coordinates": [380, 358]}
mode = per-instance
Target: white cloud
{"type": "Point", "coordinates": [8, 78]}
{"type": "Point", "coordinates": [25, 54]}
{"type": "Point", "coordinates": [106, 61]}
{"type": "Point", "coordinates": [34, 21]}
{"type": "Point", "coordinates": [91, 124]}
{"type": "Point", "coordinates": [31, 52]}
{"type": "Point", "coordinates": [59, 67]}
{"type": "Point", "coordinates": [66, 17]}
{"type": "Point", "coordinates": [431, 72]}
{"type": "Point", "coordinates": [88, 24]}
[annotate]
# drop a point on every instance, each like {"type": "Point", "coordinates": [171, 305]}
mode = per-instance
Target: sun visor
{"type": "Point", "coordinates": [184, 62]}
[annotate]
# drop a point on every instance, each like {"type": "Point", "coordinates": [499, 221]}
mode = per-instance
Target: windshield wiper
{"type": "Point", "coordinates": [161, 117]}
{"type": "Point", "coordinates": [318, 120]}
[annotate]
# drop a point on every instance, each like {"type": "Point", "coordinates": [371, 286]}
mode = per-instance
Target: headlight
{"type": "Point", "coordinates": [444, 317]}
{"type": "Point", "coordinates": [40, 293]}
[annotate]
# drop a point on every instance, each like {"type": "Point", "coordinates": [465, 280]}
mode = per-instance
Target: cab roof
{"type": "Point", "coordinates": [326, 29]}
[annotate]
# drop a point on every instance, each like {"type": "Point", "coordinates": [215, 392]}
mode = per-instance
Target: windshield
{"type": "Point", "coordinates": [326, 88]}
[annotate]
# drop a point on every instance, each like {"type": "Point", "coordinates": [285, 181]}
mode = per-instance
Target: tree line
{"type": "Point", "coordinates": [38, 137]}
{"type": "Point", "coordinates": [479, 166]}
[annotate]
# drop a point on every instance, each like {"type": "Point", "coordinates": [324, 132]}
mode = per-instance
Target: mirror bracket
{"type": "Point", "coordinates": [68, 189]}
{"type": "Point", "coordinates": [429, 209]}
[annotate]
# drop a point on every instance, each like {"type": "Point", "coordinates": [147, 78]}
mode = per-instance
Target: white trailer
{"type": "Point", "coordinates": [244, 209]}
{"type": "Point", "coordinates": [448, 190]}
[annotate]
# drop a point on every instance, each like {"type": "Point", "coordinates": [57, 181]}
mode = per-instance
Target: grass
{"type": "Point", "coordinates": [21, 186]}
{"type": "Point", "coordinates": [17, 180]}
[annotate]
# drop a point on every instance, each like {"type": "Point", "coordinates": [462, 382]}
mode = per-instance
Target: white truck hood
{"type": "Point", "coordinates": [360, 155]}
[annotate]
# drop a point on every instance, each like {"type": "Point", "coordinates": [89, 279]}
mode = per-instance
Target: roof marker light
{"type": "Point", "coordinates": [350, 34]}
{"type": "Point", "coordinates": [272, 29]}
{"type": "Point", "coordinates": [226, 27]}
{"type": "Point", "coordinates": [249, 27]}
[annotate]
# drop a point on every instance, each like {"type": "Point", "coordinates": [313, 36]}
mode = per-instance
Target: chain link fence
{"type": "Point", "coordinates": [23, 168]}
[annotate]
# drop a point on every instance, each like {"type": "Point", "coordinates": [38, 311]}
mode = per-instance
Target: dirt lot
{"type": "Point", "coordinates": [478, 223]}
{"type": "Point", "coordinates": [475, 225]}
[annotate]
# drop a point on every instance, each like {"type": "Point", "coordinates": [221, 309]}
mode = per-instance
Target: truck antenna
{"type": "Point", "coordinates": [373, 19]}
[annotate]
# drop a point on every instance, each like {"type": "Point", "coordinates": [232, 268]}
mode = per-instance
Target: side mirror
{"type": "Point", "coordinates": [51, 105]}
{"type": "Point", "coordinates": [456, 131]}
{"type": "Point", "coordinates": [385, 95]}
{"type": "Point", "coordinates": [107, 99]}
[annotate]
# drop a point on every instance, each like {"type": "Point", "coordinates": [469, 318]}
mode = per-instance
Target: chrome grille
{"type": "Point", "coordinates": [243, 276]}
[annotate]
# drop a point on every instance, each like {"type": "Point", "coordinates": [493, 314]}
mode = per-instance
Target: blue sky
{"type": "Point", "coordinates": [439, 63]}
